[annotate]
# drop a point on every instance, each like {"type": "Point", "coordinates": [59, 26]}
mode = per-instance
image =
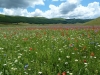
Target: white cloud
{"type": "Point", "coordinates": [66, 7]}
{"type": "Point", "coordinates": [37, 12]}
{"type": "Point", "coordinates": [18, 11]}
{"type": "Point", "coordinates": [92, 10]}
{"type": "Point", "coordinates": [73, 1]}
{"type": "Point", "coordinates": [55, 0]}
{"type": "Point", "coordinates": [36, 2]}
{"type": "Point", "coordinates": [19, 3]}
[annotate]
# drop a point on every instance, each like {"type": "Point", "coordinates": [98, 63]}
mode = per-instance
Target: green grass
{"type": "Point", "coordinates": [28, 51]}
{"type": "Point", "coordinates": [93, 22]}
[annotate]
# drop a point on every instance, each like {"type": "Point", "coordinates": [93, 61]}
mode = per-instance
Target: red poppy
{"type": "Point", "coordinates": [30, 49]}
{"type": "Point", "coordinates": [64, 73]}
{"type": "Point", "coordinates": [58, 74]}
{"type": "Point", "coordinates": [84, 61]}
{"type": "Point", "coordinates": [25, 39]}
{"type": "Point", "coordinates": [44, 33]}
{"type": "Point", "coordinates": [92, 54]}
{"type": "Point", "coordinates": [68, 38]}
{"type": "Point", "coordinates": [75, 48]}
{"type": "Point", "coordinates": [4, 36]}
{"type": "Point", "coordinates": [62, 34]}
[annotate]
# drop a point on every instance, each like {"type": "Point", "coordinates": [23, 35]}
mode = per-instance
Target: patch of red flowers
{"type": "Point", "coordinates": [25, 39]}
{"type": "Point", "coordinates": [64, 73]}
{"type": "Point", "coordinates": [92, 54]}
{"type": "Point", "coordinates": [5, 36]}
{"type": "Point", "coordinates": [84, 61]}
{"type": "Point", "coordinates": [58, 74]}
{"type": "Point", "coordinates": [75, 49]}
{"type": "Point", "coordinates": [30, 48]}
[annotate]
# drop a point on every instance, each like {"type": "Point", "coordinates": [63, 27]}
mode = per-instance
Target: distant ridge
{"type": "Point", "coordinates": [10, 19]}
{"type": "Point", "coordinates": [93, 22]}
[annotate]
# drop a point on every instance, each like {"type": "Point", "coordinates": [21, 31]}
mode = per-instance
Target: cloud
{"type": "Point", "coordinates": [74, 1]}
{"type": "Point", "coordinates": [92, 10]}
{"type": "Point", "coordinates": [19, 3]}
{"type": "Point", "coordinates": [37, 13]}
{"type": "Point", "coordinates": [65, 7]}
{"type": "Point", "coordinates": [73, 9]}
{"type": "Point", "coordinates": [68, 6]}
{"type": "Point", "coordinates": [18, 11]}
{"type": "Point", "coordinates": [55, 0]}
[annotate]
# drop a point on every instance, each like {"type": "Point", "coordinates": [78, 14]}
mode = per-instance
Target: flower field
{"type": "Point", "coordinates": [49, 51]}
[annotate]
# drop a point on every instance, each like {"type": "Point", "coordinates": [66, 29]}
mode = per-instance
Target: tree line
{"type": "Point", "coordinates": [39, 20]}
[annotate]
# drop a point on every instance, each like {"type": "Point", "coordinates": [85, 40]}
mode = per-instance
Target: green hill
{"type": "Point", "coordinates": [93, 22]}
{"type": "Point", "coordinates": [8, 19]}
{"type": "Point", "coordinates": [2, 15]}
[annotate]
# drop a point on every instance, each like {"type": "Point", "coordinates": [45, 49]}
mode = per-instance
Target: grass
{"type": "Point", "coordinates": [93, 22]}
{"type": "Point", "coordinates": [28, 25]}
{"type": "Point", "coordinates": [29, 51]}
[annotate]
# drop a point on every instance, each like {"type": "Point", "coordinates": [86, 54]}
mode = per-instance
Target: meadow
{"type": "Point", "coordinates": [49, 51]}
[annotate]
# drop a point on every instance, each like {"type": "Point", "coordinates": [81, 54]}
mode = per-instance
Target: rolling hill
{"type": "Point", "coordinates": [93, 22]}
{"type": "Point", "coordinates": [8, 19]}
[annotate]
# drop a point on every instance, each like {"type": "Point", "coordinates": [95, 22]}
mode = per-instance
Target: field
{"type": "Point", "coordinates": [55, 50]}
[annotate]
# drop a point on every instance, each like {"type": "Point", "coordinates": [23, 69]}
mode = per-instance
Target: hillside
{"type": "Point", "coordinates": [93, 22]}
{"type": "Point", "coordinates": [6, 19]}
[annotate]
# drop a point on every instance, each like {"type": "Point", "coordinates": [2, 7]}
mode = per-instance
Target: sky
{"type": "Point", "coordinates": [68, 9]}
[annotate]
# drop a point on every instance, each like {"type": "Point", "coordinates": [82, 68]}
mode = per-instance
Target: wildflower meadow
{"type": "Point", "coordinates": [49, 51]}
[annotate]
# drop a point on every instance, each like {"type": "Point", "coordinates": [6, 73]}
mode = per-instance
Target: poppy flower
{"type": "Point", "coordinates": [84, 61]}
{"type": "Point", "coordinates": [64, 73]}
{"type": "Point", "coordinates": [92, 54]}
{"type": "Point", "coordinates": [58, 74]}
{"type": "Point", "coordinates": [44, 33]}
{"type": "Point", "coordinates": [30, 48]}
{"type": "Point", "coordinates": [25, 39]}
{"type": "Point", "coordinates": [62, 34]}
{"type": "Point", "coordinates": [75, 48]}
{"type": "Point", "coordinates": [4, 36]}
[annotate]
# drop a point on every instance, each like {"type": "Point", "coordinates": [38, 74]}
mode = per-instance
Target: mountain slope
{"type": "Point", "coordinates": [93, 22]}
